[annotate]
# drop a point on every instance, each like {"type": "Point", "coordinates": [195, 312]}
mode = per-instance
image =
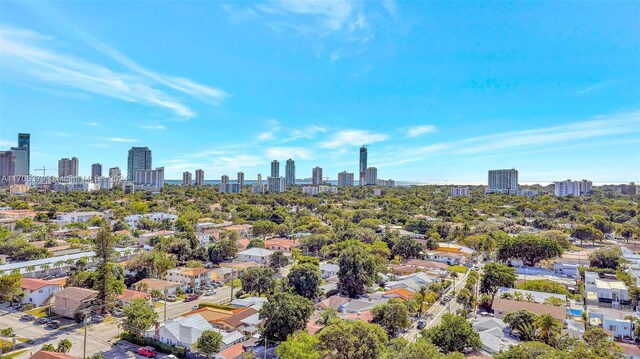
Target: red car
{"type": "Point", "coordinates": [191, 297]}
{"type": "Point", "coordinates": [149, 352]}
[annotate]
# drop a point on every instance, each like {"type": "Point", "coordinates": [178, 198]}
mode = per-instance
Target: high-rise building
{"type": "Point", "coordinates": [630, 188]}
{"type": "Point", "coordinates": [139, 159]}
{"type": "Point", "coordinates": [586, 186]}
{"type": "Point", "coordinates": [459, 191]}
{"type": "Point", "coordinates": [566, 188]}
{"type": "Point", "coordinates": [345, 179]}
{"type": "Point", "coordinates": [128, 187]}
{"type": "Point", "coordinates": [371, 176]}
{"type": "Point", "coordinates": [199, 177]}
{"type": "Point", "coordinates": [96, 171]}
{"type": "Point", "coordinates": [260, 179]}
{"type": "Point", "coordinates": [224, 181]}
{"type": "Point", "coordinates": [503, 181]}
{"type": "Point", "coordinates": [150, 179]}
{"type": "Point", "coordinates": [316, 176]}
{"type": "Point", "coordinates": [290, 172]}
{"type": "Point", "coordinates": [275, 168]}
{"type": "Point", "coordinates": [115, 173]}
{"type": "Point", "coordinates": [24, 141]}
{"type": "Point", "coordinates": [22, 160]}
{"type": "Point", "coordinates": [276, 184]}
{"type": "Point", "coordinates": [363, 166]}
{"type": "Point", "coordinates": [240, 179]}
{"type": "Point", "coordinates": [7, 167]}
{"type": "Point", "coordinates": [68, 167]}
{"type": "Point", "coordinates": [187, 180]}
{"type": "Point", "coordinates": [386, 183]}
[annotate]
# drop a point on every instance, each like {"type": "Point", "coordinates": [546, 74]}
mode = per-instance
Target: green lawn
{"type": "Point", "coordinates": [458, 269]}
{"type": "Point", "coordinates": [13, 355]}
{"type": "Point", "coordinates": [39, 312]}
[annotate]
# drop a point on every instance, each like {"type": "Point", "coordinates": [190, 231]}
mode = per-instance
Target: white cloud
{"type": "Point", "coordinates": [353, 138]}
{"type": "Point", "coordinates": [91, 124]}
{"type": "Point", "coordinates": [120, 139]}
{"type": "Point", "coordinates": [27, 54]}
{"type": "Point", "coordinates": [154, 127]}
{"type": "Point", "coordinates": [308, 132]}
{"type": "Point", "coordinates": [266, 136]}
{"type": "Point", "coordinates": [289, 152]}
{"type": "Point", "coordinates": [420, 130]}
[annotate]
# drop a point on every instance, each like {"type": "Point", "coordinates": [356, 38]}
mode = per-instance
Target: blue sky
{"type": "Point", "coordinates": [440, 91]}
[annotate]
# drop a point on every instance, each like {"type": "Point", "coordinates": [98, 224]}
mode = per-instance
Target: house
{"type": "Point", "coordinates": [399, 293]}
{"type": "Point", "coordinates": [280, 244]}
{"type": "Point", "coordinates": [360, 305]}
{"type": "Point", "coordinates": [240, 267]}
{"type": "Point", "coordinates": [612, 320]}
{"type": "Point", "coordinates": [528, 295]}
{"type": "Point", "coordinates": [149, 284]}
{"type": "Point", "coordinates": [334, 302]}
{"type": "Point", "coordinates": [235, 321]}
{"type": "Point", "coordinates": [630, 351]}
{"type": "Point", "coordinates": [250, 302]}
{"type": "Point", "coordinates": [223, 274]}
{"type": "Point", "coordinates": [566, 268]}
{"type": "Point", "coordinates": [607, 291]}
{"type": "Point", "coordinates": [190, 277]}
{"type": "Point", "coordinates": [451, 258]}
{"type": "Point", "coordinates": [69, 301]}
{"type": "Point", "coordinates": [329, 270]}
{"type": "Point", "coordinates": [365, 316]}
{"type": "Point", "coordinates": [493, 335]}
{"type": "Point", "coordinates": [183, 331]}
{"type": "Point", "coordinates": [158, 217]}
{"type": "Point", "coordinates": [144, 238]}
{"type": "Point", "coordinates": [128, 296]}
{"type": "Point", "coordinates": [501, 307]}
{"type": "Point", "coordinates": [408, 284]}
{"type": "Point", "coordinates": [235, 351]}
{"type": "Point", "coordinates": [243, 230]}
{"type": "Point", "coordinates": [78, 217]}
{"type": "Point", "coordinates": [426, 265]}
{"type": "Point", "coordinates": [42, 354]}
{"type": "Point", "coordinates": [38, 291]}
{"type": "Point", "coordinates": [421, 278]}
{"type": "Point", "coordinates": [257, 255]}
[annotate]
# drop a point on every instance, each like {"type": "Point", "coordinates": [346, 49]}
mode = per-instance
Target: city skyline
{"type": "Point", "coordinates": [433, 102]}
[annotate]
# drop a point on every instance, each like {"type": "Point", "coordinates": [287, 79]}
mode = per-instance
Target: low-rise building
{"type": "Point", "coordinates": [78, 217]}
{"type": "Point", "coordinates": [128, 296]}
{"type": "Point", "coordinates": [614, 321]}
{"type": "Point", "coordinates": [501, 307]}
{"type": "Point", "coordinates": [280, 244]}
{"type": "Point", "coordinates": [148, 284]}
{"type": "Point", "coordinates": [329, 270]}
{"type": "Point", "coordinates": [38, 291]}
{"type": "Point", "coordinates": [71, 300]}
{"type": "Point", "coordinates": [158, 217]}
{"type": "Point", "coordinates": [257, 255]}
{"type": "Point", "coordinates": [610, 292]}
{"type": "Point", "coordinates": [190, 277]}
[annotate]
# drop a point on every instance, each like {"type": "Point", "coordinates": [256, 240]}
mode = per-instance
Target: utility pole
{"type": "Point", "coordinates": [165, 305]}
{"type": "Point", "coordinates": [84, 346]}
{"type": "Point", "coordinates": [231, 299]}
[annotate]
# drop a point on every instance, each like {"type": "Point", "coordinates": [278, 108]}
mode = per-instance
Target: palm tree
{"type": "Point", "coordinates": [547, 327]}
{"type": "Point", "coordinates": [64, 346]}
{"type": "Point", "coordinates": [326, 317]}
{"type": "Point", "coordinates": [518, 296]}
{"type": "Point", "coordinates": [527, 332]}
{"type": "Point", "coordinates": [530, 297]}
{"type": "Point", "coordinates": [30, 269]}
{"type": "Point", "coordinates": [45, 267]}
{"type": "Point", "coordinates": [58, 264]}
{"type": "Point", "coordinates": [424, 295]}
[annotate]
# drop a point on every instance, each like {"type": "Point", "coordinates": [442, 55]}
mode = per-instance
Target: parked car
{"type": "Point", "coordinates": [148, 352]}
{"type": "Point", "coordinates": [41, 320]}
{"type": "Point", "coordinates": [28, 317]}
{"type": "Point", "coordinates": [192, 297]}
{"type": "Point", "coordinates": [421, 324]}
{"type": "Point", "coordinates": [170, 356]}
{"type": "Point", "coordinates": [54, 324]}
{"type": "Point", "coordinates": [209, 292]}
{"type": "Point", "coordinates": [97, 318]}
{"type": "Point", "coordinates": [195, 307]}
{"type": "Point", "coordinates": [117, 312]}
{"type": "Point", "coordinates": [171, 298]}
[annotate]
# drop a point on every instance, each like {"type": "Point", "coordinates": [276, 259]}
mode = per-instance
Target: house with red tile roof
{"type": "Point", "coordinates": [399, 293]}
{"type": "Point", "coordinates": [280, 244]}
{"type": "Point", "coordinates": [235, 351]}
{"type": "Point", "coordinates": [129, 295]}
{"type": "Point", "coordinates": [42, 354]}
{"type": "Point", "coordinates": [38, 291]}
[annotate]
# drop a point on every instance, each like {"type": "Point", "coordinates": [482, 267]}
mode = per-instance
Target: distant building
{"type": "Point", "coordinates": [240, 178]}
{"type": "Point", "coordinates": [316, 176]}
{"type": "Point", "coordinates": [371, 176]}
{"type": "Point", "coordinates": [199, 177]}
{"type": "Point", "coordinates": [224, 181]}
{"type": "Point", "coordinates": [311, 190]}
{"type": "Point", "coordinates": [150, 179]}
{"type": "Point", "coordinates": [345, 179]}
{"type": "Point", "coordinates": [586, 187]}
{"type": "Point", "coordinates": [22, 160]}
{"type": "Point", "coordinates": [259, 179]}
{"type": "Point", "coordinates": [7, 166]}
{"type": "Point", "coordinates": [128, 187]}
{"type": "Point", "coordinates": [387, 183]}
{"type": "Point", "coordinates": [276, 184]}
{"type": "Point", "coordinates": [275, 168]}
{"type": "Point", "coordinates": [503, 181]}
{"type": "Point", "coordinates": [459, 191]}
{"type": "Point", "coordinates": [139, 159]}
{"type": "Point", "coordinates": [68, 167]}
{"type": "Point", "coordinates": [74, 186]}
{"type": "Point", "coordinates": [330, 189]}
{"type": "Point", "coordinates": [290, 172]}
{"type": "Point", "coordinates": [24, 141]}
{"type": "Point", "coordinates": [96, 171]}
{"type": "Point", "coordinates": [257, 188]}
{"type": "Point", "coordinates": [187, 179]}
{"type": "Point", "coordinates": [362, 168]}
{"type": "Point", "coordinates": [114, 172]}
{"type": "Point", "coordinates": [631, 188]}
{"type": "Point", "coordinates": [566, 188]}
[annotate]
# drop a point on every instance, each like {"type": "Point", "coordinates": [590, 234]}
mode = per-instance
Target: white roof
{"type": "Point", "coordinates": [253, 320]}
{"type": "Point", "coordinates": [256, 252]}
{"type": "Point", "coordinates": [230, 338]}
{"type": "Point", "coordinates": [418, 277]}
{"type": "Point", "coordinates": [188, 329]}
{"type": "Point", "coordinates": [330, 267]}
{"type": "Point", "coordinates": [51, 260]}
{"type": "Point", "coordinates": [610, 284]}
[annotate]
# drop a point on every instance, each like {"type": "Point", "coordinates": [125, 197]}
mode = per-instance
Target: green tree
{"type": "Point", "coordinates": [48, 348]}
{"type": "Point", "coordinates": [264, 228]}
{"type": "Point", "coordinates": [393, 316]}
{"type": "Point", "coordinates": [352, 340]}
{"type": "Point", "coordinates": [139, 316]}
{"type": "Point", "coordinates": [326, 317]}
{"type": "Point", "coordinates": [406, 247]}
{"type": "Point", "coordinates": [454, 334]}
{"type": "Point", "coordinates": [299, 346]}
{"type": "Point", "coordinates": [10, 286]}
{"type": "Point", "coordinates": [519, 319]}
{"type": "Point", "coordinates": [606, 258]}
{"type": "Point", "coordinates": [587, 233]}
{"type": "Point", "coordinates": [357, 270]}
{"type": "Point", "coordinates": [544, 285]}
{"type": "Point", "coordinates": [305, 279]}
{"type": "Point", "coordinates": [495, 276]}
{"type": "Point", "coordinates": [284, 314]}
{"type": "Point", "coordinates": [223, 250]}
{"type": "Point", "coordinates": [256, 243]}
{"type": "Point", "coordinates": [548, 327]}
{"type": "Point", "coordinates": [259, 280]}
{"type": "Point", "coordinates": [64, 346]}
{"type": "Point", "coordinates": [278, 260]}
{"type": "Point", "coordinates": [209, 342]}
{"type": "Point", "coordinates": [529, 248]}
{"type": "Point", "coordinates": [104, 246]}
{"type": "Point", "coordinates": [529, 350]}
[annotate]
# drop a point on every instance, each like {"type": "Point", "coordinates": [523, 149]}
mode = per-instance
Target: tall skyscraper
{"type": "Point", "coordinates": [7, 166]}
{"type": "Point", "coordinates": [115, 173]}
{"type": "Point", "coordinates": [186, 178]}
{"type": "Point", "coordinates": [224, 182]}
{"type": "Point", "coordinates": [96, 171]}
{"type": "Point", "coordinates": [24, 141]}
{"type": "Point", "coordinates": [139, 159]}
{"type": "Point", "coordinates": [503, 181]}
{"type": "Point", "coordinates": [199, 177]}
{"type": "Point", "coordinates": [276, 184]}
{"type": "Point", "coordinates": [345, 179]}
{"type": "Point", "coordinates": [151, 179]}
{"type": "Point", "coordinates": [316, 176]}
{"type": "Point", "coordinates": [240, 178]}
{"type": "Point", "coordinates": [22, 160]}
{"type": "Point", "coordinates": [275, 168]}
{"type": "Point", "coordinates": [259, 179]}
{"type": "Point", "coordinates": [68, 167]}
{"type": "Point", "coordinates": [363, 165]}
{"type": "Point", "coordinates": [371, 176]}
{"type": "Point", "coordinates": [290, 172]}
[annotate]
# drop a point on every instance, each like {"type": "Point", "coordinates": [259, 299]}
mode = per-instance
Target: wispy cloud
{"type": "Point", "coordinates": [353, 138]}
{"type": "Point", "coordinates": [154, 127]}
{"type": "Point", "coordinates": [120, 139]}
{"type": "Point", "coordinates": [30, 55]}
{"type": "Point", "coordinates": [91, 124]}
{"type": "Point", "coordinates": [591, 88]}
{"type": "Point", "coordinates": [289, 152]}
{"type": "Point", "coordinates": [420, 130]}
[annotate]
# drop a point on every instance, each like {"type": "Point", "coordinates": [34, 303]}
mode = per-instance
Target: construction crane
{"type": "Point", "coordinates": [44, 170]}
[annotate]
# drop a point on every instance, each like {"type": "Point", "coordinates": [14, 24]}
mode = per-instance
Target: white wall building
{"type": "Point", "coordinates": [132, 220]}
{"type": "Point", "coordinates": [149, 179]}
{"type": "Point", "coordinates": [78, 217]}
{"type": "Point", "coordinates": [38, 291]}
{"type": "Point", "coordinates": [503, 181]}
{"type": "Point", "coordinates": [276, 184]}
{"type": "Point", "coordinates": [459, 191]}
{"type": "Point", "coordinates": [258, 255]}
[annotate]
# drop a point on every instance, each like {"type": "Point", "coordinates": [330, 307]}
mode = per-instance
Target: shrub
{"type": "Point", "coordinates": [27, 307]}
